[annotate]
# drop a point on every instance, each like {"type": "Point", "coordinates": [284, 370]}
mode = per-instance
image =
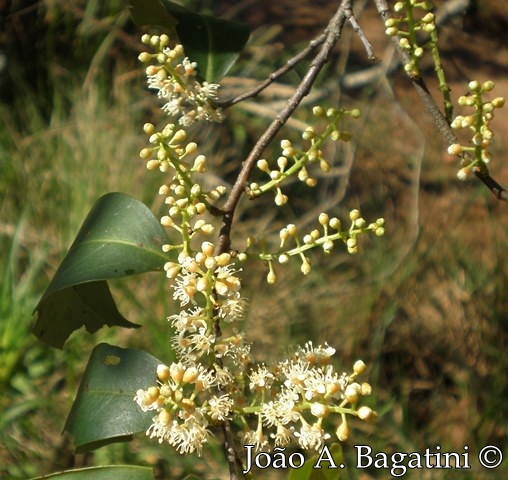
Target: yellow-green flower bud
{"type": "Point", "coordinates": [342, 432]}
{"type": "Point", "coordinates": [474, 86]}
{"type": "Point", "coordinates": [488, 86]}
{"type": "Point", "coordinates": [328, 246]}
{"type": "Point", "coordinates": [146, 153]}
{"type": "Point", "coordinates": [352, 392]}
{"type": "Point", "coordinates": [366, 389]}
{"type": "Point", "coordinates": [367, 414]}
{"type": "Point", "coordinates": [318, 111]}
{"type": "Point", "coordinates": [359, 367]}
{"type": "Point", "coordinates": [305, 268]}
{"type": "Point", "coordinates": [323, 219]}
{"type": "Point", "coordinates": [262, 164]}
{"type": "Point", "coordinates": [176, 371]}
{"type": "Point", "coordinates": [335, 223]}
{"type": "Point", "coordinates": [190, 375]}
{"type": "Point", "coordinates": [455, 149]}
{"type": "Point", "coordinates": [163, 372]}
{"type": "Point", "coordinates": [207, 248]}
{"type": "Point", "coordinates": [291, 228]}
{"type": "Point", "coordinates": [354, 214]}
{"type": "Point", "coordinates": [283, 258]}
{"type": "Point", "coordinates": [498, 102]}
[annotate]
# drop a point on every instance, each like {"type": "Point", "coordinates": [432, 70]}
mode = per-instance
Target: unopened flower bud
{"type": "Point", "coordinates": [359, 367]}
{"type": "Point", "coordinates": [176, 371]}
{"type": "Point", "coordinates": [163, 372]}
{"type": "Point", "coordinates": [207, 248]}
{"type": "Point", "coordinates": [335, 223]}
{"type": "Point", "coordinates": [305, 268]}
{"type": "Point", "coordinates": [498, 102]}
{"type": "Point", "coordinates": [328, 246]}
{"type": "Point", "coordinates": [190, 375]}
{"type": "Point", "coordinates": [474, 86]}
{"type": "Point", "coordinates": [488, 86]}
{"type": "Point", "coordinates": [354, 215]}
{"type": "Point", "coordinates": [366, 389]}
{"type": "Point", "coordinates": [352, 392]}
{"type": "Point", "coordinates": [318, 111]}
{"type": "Point", "coordinates": [455, 149]}
{"type": "Point", "coordinates": [223, 259]}
{"type": "Point", "coordinates": [342, 432]}
{"type": "Point", "coordinates": [263, 165]}
{"type": "Point", "coordinates": [367, 414]}
{"type": "Point", "coordinates": [323, 219]}
{"type": "Point", "coordinates": [153, 164]}
{"type": "Point", "coordinates": [319, 410]}
{"type": "Point", "coordinates": [283, 258]}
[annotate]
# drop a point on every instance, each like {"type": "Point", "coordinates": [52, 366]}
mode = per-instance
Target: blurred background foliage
{"type": "Point", "coordinates": [425, 307]}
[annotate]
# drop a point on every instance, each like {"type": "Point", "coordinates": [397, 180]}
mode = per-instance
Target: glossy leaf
{"type": "Point", "coordinates": [110, 472]}
{"type": "Point", "coordinates": [119, 237]}
{"type": "Point", "coordinates": [214, 43]}
{"type": "Point", "coordinates": [104, 410]}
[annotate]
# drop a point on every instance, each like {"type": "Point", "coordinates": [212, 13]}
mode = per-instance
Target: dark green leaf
{"type": "Point", "coordinates": [67, 310]}
{"type": "Point", "coordinates": [119, 237]}
{"type": "Point", "coordinates": [104, 410]}
{"type": "Point", "coordinates": [110, 472]}
{"type": "Point", "coordinates": [214, 43]}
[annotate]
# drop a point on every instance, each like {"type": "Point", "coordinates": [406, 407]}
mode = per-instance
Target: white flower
{"type": "Point", "coordinates": [280, 412]}
{"type": "Point", "coordinates": [311, 436]}
{"type": "Point", "coordinates": [260, 379]}
{"type": "Point", "coordinates": [220, 407]}
{"type": "Point", "coordinates": [257, 438]}
{"type": "Point", "coordinates": [282, 437]}
{"type": "Point", "coordinates": [233, 308]}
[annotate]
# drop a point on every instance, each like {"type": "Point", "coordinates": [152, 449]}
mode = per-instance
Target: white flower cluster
{"type": "Point", "coordinates": [189, 396]}
{"type": "Point", "coordinates": [175, 79]}
{"type": "Point", "coordinates": [289, 400]}
{"type": "Point", "coordinates": [180, 421]}
{"type": "Point", "coordinates": [207, 383]}
{"type": "Point", "coordinates": [305, 390]}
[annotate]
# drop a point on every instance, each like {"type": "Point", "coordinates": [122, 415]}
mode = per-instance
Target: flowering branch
{"type": "Point", "coordinates": [410, 53]}
{"type": "Point", "coordinates": [214, 380]}
{"type": "Point", "coordinates": [333, 32]}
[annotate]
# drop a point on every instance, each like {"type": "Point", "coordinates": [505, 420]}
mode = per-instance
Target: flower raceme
{"type": "Point", "coordinates": [290, 400]}
{"type": "Point", "coordinates": [479, 123]}
{"type": "Point", "coordinates": [175, 79]}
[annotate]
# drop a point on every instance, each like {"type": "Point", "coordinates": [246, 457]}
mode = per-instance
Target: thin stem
{"type": "Point", "coordinates": [290, 64]}
{"type": "Point", "coordinates": [443, 86]}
